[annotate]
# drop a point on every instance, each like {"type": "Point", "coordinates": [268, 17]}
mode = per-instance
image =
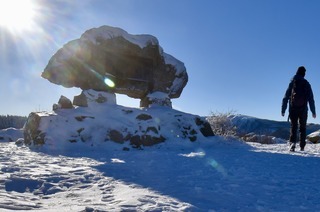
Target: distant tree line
{"type": "Point", "coordinates": [12, 121]}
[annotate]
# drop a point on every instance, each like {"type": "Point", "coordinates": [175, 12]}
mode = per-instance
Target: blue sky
{"type": "Point", "coordinates": [239, 55]}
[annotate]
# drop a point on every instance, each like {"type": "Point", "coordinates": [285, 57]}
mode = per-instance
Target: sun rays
{"type": "Point", "coordinates": [17, 16]}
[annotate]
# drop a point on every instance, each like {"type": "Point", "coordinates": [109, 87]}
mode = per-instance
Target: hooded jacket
{"type": "Point", "coordinates": [287, 96]}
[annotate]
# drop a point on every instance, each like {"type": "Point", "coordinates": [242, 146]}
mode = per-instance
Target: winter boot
{"type": "Point", "coordinates": [292, 147]}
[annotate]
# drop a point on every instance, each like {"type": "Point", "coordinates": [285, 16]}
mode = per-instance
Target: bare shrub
{"type": "Point", "coordinates": [221, 123]}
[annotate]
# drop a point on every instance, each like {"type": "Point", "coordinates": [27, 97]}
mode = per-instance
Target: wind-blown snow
{"type": "Point", "coordinates": [214, 174]}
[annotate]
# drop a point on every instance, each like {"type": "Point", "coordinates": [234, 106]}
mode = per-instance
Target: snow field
{"type": "Point", "coordinates": [213, 174]}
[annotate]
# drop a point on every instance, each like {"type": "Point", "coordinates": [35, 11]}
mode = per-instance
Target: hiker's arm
{"type": "Point", "coordinates": [286, 99]}
{"type": "Point", "coordinates": [311, 102]}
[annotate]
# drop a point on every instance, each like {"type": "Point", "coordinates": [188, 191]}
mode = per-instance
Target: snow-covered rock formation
{"type": "Point", "coordinates": [314, 137]}
{"type": "Point", "coordinates": [105, 61]}
{"type": "Point", "coordinates": [110, 59]}
{"type": "Point", "coordinates": [102, 120]}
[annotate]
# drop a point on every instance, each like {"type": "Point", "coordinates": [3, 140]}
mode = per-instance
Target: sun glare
{"type": "Point", "coordinates": [17, 15]}
{"type": "Point", "coordinates": [109, 82]}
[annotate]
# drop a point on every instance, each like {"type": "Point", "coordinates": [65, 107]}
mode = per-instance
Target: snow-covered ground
{"type": "Point", "coordinates": [213, 174]}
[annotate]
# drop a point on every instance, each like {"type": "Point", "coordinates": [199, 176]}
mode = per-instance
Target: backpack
{"type": "Point", "coordinates": [299, 93]}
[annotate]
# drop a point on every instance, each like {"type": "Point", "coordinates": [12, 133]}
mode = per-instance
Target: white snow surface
{"type": "Point", "coordinates": [212, 174]}
{"type": "Point", "coordinates": [108, 32]}
{"type": "Point", "coordinates": [10, 134]}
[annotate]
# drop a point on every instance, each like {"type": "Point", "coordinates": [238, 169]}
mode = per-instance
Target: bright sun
{"type": "Point", "coordinates": [17, 15]}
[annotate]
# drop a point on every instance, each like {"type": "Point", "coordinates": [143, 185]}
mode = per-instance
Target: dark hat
{"type": "Point", "coordinates": [301, 71]}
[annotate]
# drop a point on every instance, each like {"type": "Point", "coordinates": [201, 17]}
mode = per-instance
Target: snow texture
{"type": "Point", "coordinates": [210, 174]}
{"type": "Point", "coordinates": [214, 174]}
{"type": "Point", "coordinates": [10, 134]}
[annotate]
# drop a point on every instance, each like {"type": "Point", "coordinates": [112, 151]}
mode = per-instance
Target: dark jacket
{"type": "Point", "coordinates": [287, 96]}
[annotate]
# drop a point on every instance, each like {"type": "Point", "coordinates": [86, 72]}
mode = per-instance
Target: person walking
{"type": "Point", "coordinates": [299, 93]}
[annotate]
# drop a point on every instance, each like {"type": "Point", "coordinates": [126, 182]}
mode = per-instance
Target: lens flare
{"type": "Point", "coordinates": [105, 79]}
{"type": "Point", "coordinates": [109, 82]}
{"type": "Point", "coordinates": [218, 167]}
{"type": "Point", "coordinates": [157, 120]}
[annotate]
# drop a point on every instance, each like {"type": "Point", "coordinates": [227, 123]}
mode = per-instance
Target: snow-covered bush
{"type": "Point", "coordinates": [221, 123]}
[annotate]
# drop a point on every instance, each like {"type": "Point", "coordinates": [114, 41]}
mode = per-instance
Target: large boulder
{"type": "Point", "coordinates": [110, 59]}
{"type": "Point", "coordinates": [32, 132]}
{"type": "Point", "coordinates": [64, 102]}
{"type": "Point", "coordinates": [314, 137]}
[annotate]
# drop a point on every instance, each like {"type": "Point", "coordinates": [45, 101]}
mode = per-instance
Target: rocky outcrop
{"type": "Point", "coordinates": [105, 61]}
{"type": "Point", "coordinates": [64, 102]}
{"type": "Point", "coordinates": [80, 100]}
{"type": "Point", "coordinates": [104, 121]}
{"type": "Point", "coordinates": [314, 137]}
{"type": "Point", "coordinates": [32, 133]}
{"type": "Point", "coordinates": [110, 59]}
{"type": "Point", "coordinates": [262, 139]}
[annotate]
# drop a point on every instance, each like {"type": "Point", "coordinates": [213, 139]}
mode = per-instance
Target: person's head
{"type": "Point", "coordinates": [301, 71]}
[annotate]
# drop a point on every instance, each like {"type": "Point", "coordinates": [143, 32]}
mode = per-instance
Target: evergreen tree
{"type": "Point", "coordinates": [12, 121]}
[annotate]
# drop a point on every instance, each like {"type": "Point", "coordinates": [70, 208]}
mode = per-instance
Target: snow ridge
{"type": "Point", "coordinates": [108, 32]}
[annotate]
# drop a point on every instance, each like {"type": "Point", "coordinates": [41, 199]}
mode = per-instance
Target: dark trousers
{"type": "Point", "coordinates": [298, 116]}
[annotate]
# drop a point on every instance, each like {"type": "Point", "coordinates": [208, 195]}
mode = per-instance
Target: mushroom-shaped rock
{"type": "Point", "coordinates": [110, 59]}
